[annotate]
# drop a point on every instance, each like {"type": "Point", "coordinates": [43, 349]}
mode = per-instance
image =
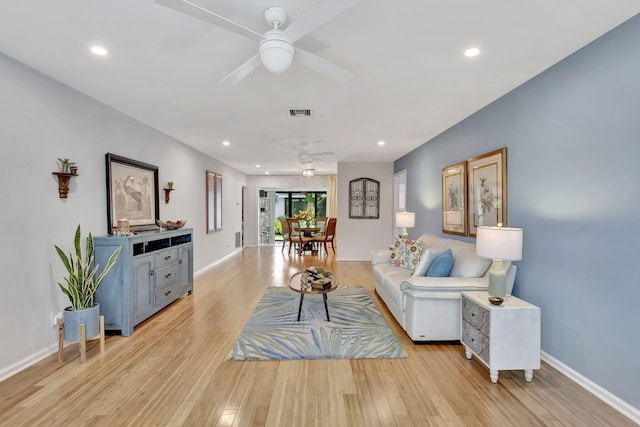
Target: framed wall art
{"type": "Point", "coordinates": [132, 193]}
{"type": "Point", "coordinates": [454, 193]}
{"type": "Point", "coordinates": [364, 198]}
{"type": "Point", "coordinates": [214, 201]}
{"type": "Point", "coordinates": [487, 190]}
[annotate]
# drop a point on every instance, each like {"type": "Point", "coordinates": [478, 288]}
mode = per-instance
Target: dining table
{"type": "Point", "coordinates": [309, 246]}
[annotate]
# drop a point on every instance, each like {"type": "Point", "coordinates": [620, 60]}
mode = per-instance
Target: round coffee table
{"type": "Point", "coordinates": [309, 282]}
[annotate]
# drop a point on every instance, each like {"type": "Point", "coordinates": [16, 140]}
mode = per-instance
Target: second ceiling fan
{"type": "Point", "coordinates": [276, 47]}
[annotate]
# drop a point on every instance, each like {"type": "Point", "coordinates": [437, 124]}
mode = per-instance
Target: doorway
{"type": "Point", "coordinates": [275, 205]}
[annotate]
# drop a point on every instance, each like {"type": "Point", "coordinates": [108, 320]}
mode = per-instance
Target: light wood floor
{"type": "Point", "coordinates": [172, 371]}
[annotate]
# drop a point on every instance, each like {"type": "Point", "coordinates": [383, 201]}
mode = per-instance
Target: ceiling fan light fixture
{"type": "Point", "coordinates": [276, 52]}
{"type": "Point", "coordinates": [308, 170]}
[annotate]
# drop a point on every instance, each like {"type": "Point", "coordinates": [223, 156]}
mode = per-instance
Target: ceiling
{"type": "Point", "coordinates": [411, 78]}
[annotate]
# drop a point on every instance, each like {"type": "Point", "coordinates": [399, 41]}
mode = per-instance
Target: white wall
{"type": "Point", "coordinates": [357, 237]}
{"type": "Point", "coordinates": [43, 120]}
{"type": "Point", "coordinates": [273, 182]}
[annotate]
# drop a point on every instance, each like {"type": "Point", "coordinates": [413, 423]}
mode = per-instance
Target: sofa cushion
{"type": "Point", "coordinates": [435, 242]}
{"type": "Point", "coordinates": [465, 261]}
{"type": "Point", "coordinates": [428, 255]}
{"type": "Point", "coordinates": [390, 278]}
{"type": "Point", "coordinates": [406, 253]}
{"type": "Point", "coordinates": [441, 266]}
{"type": "Point", "coordinates": [380, 256]}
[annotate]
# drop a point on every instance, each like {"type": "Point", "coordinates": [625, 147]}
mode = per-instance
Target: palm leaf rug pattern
{"type": "Point", "coordinates": [356, 330]}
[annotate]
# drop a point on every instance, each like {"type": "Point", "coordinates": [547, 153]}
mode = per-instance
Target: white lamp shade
{"type": "Point", "coordinates": [502, 243]}
{"type": "Point", "coordinates": [405, 219]}
{"type": "Point", "coordinates": [276, 52]}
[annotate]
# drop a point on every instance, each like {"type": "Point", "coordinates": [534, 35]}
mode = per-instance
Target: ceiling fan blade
{"type": "Point", "coordinates": [321, 13]}
{"type": "Point", "coordinates": [242, 71]}
{"type": "Point", "coordinates": [322, 66]}
{"type": "Point", "coordinates": [197, 11]}
{"type": "Point", "coordinates": [324, 153]}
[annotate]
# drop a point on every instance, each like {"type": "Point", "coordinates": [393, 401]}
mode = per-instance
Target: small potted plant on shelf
{"type": "Point", "coordinates": [80, 286]}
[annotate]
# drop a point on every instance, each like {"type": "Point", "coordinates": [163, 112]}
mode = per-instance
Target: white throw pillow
{"type": "Point", "coordinates": [427, 257]}
{"type": "Point", "coordinates": [467, 264]}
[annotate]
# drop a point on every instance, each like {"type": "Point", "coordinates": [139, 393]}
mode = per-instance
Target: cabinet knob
{"type": "Point", "coordinates": [167, 293]}
{"type": "Point", "coordinates": [151, 273]}
{"type": "Point", "coordinates": [167, 258]}
{"type": "Point", "coordinates": [166, 276]}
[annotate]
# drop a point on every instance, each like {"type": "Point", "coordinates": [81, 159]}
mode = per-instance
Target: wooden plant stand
{"type": "Point", "coordinates": [83, 340]}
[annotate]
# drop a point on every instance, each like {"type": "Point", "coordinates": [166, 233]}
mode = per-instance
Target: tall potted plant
{"type": "Point", "coordinates": [80, 286]}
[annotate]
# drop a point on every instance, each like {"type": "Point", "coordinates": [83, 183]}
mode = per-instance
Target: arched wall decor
{"type": "Point", "coordinates": [364, 198]}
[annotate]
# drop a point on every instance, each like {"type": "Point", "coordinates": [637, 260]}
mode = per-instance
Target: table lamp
{"type": "Point", "coordinates": [405, 220]}
{"type": "Point", "coordinates": [499, 244]}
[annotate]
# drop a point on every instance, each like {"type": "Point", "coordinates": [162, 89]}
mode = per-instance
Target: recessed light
{"type": "Point", "coordinates": [266, 173]}
{"type": "Point", "coordinates": [226, 143]}
{"type": "Point", "coordinates": [474, 51]}
{"type": "Point", "coordinates": [99, 50]}
{"type": "Point", "coordinates": [257, 166]}
{"type": "Point", "coordinates": [381, 143]}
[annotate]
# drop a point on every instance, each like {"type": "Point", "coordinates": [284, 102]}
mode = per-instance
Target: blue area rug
{"type": "Point", "coordinates": [356, 330]}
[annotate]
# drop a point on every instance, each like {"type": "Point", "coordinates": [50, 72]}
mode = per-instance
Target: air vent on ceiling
{"type": "Point", "coordinates": [300, 113]}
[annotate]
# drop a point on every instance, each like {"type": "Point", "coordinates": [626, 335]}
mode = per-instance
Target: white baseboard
{"type": "Point", "coordinates": [606, 396]}
{"type": "Point", "coordinates": [216, 262]}
{"type": "Point", "coordinates": [32, 359]}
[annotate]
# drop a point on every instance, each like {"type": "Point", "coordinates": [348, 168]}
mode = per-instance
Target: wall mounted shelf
{"type": "Point", "coordinates": [63, 183]}
{"type": "Point", "coordinates": [167, 194]}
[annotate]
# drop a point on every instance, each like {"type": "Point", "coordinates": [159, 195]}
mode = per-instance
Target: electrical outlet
{"type": "Point", "coordinates": [54, 319]}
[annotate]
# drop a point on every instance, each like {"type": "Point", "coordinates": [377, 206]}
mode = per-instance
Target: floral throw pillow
{"type": "Point", "coordinates": [406, 253]}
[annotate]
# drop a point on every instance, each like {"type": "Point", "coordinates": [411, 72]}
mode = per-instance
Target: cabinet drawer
{"type": "Point", "coordinates": [167, 294]}
{"type": "Point", "coordinates": [166, 257]}
{"type": "Point", "coordinates": [476, 341]}
{"type": "Point", "coordinates": [165, 275]}
{"type": "Point", "coordinates": [476, 315]}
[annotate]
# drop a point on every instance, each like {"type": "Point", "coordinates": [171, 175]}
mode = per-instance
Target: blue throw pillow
{"type": "Point", "coordinates": [441, 266]}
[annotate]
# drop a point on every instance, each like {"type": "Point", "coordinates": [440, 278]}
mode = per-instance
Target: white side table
{"type": "Point", "coordinates": [502, 337]}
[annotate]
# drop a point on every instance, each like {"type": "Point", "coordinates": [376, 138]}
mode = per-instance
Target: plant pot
{"type": "Point", "coordinates": [73, 318]}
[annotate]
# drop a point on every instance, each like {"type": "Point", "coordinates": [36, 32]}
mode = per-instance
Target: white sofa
{"type": "Point", "coordinates": [428, 308]}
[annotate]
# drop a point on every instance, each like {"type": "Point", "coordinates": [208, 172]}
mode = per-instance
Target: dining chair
{"type": "Point", "coordinates": [284, 225]}
{"type": "Point", "coordinates": [328, 236]}
{"type": "Point", "coordinates": [296, 236]}
{"type": "Point", "coordinates": [321, 223]}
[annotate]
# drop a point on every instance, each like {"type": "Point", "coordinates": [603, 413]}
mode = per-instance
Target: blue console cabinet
{"type": "Point", "coordinates": [154, 269]}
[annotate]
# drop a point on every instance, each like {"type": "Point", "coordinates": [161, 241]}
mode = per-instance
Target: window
{"type": "Point", "coordinates": [292, 202]}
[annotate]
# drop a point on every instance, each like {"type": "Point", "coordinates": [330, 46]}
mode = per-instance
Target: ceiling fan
{"type": "Point", "coordinates": [276, 49]}
{"type": "Point", "coordinates": [305, 157]}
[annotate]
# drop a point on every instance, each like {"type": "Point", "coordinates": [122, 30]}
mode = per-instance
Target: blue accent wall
{"type": "Point", "coordinates": [573, 153]}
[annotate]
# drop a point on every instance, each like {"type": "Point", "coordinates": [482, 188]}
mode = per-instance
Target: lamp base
{"type": "Point", "coordinates": [497, 282]}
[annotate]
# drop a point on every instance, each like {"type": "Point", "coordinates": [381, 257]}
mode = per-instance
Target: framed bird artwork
{"type": "Point", "coordinates": [132, 193]}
